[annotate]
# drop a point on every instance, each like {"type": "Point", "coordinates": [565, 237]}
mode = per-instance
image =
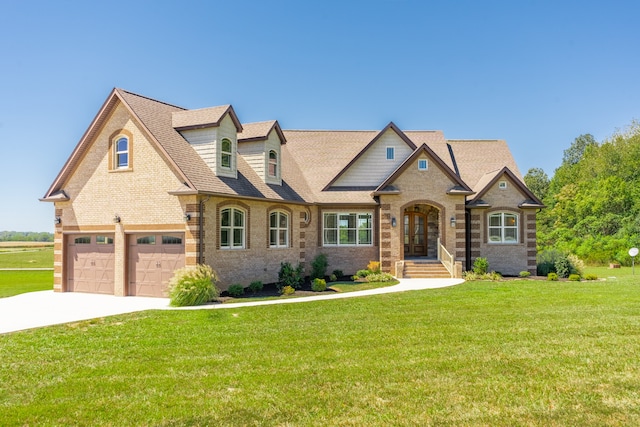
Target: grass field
{"type": "Point", "coordinates": [482, 353]}
{"type": "Point", "coordinates": [19, 282]}
{"type": "Point", "coordinates": [26, 257]}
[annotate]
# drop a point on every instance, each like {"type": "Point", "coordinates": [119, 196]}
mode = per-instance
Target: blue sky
{"type": "Point", "coordinates": [535, 73]}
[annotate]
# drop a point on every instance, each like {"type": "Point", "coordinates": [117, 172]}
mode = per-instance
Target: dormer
{"type": "Point", "coordinates": [213, 134]}
{"type": "Point", "coordinates": [259, 144]}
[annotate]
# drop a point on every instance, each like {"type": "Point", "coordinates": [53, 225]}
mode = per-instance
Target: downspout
{"type": "Point", "coordinates": [201, 229]}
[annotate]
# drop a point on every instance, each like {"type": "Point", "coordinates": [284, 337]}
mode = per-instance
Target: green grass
{"type": "Point", "coordinates": [19, 282]}
{"type": "Point", "coordinates": [26, 257]}
{"type": "Point", "coordinates": [482, 353]}
{"type": "Point", "coordinates": [606, 272]}
{"type": "Point", "coordinates": [359, 286]}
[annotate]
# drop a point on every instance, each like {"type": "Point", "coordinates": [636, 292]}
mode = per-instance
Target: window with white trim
{"type": "Point", "coordinates": [121, 157]}
{"type": "Point", "coordinates": [391, 153]}
{"type": "Point", "coordinates": [347, 229]}
{"type": "Point", "coordinates": [232, 228]}
{"type": "Point", "coordinates": [226, 153]}
{"type": "Point", "coordinates": [273, 164]}
{"type": "Point", "coordinates": [278, 230]}
{"type": "Point", "coordinates": [423, 165]}
{"type": "Point", "coordinates": [503, 228]}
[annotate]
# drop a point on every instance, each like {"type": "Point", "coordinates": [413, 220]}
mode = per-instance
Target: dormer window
{"type": "Point", "coordinates": [273, 164]}
{"type": "Point", "coordinates": [122, 153]}
{"type": "Point", "coordinates": [225, 151]}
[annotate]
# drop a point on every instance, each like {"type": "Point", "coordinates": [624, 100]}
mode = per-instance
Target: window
{"type": "Point", "coordinates": [104, 240]}
{"type": "Point", "coordinates": [225, 150]}
{"type": "Point", "coordinates": [122, 153]}
{"type": "Point", "coordinates": [171, 240]}
{"type": "Point", "coordinates": [273, 164]}
{"type": "Point", "coordinates": [82, 240]}
{"type": "Point", "coordinates": [146, 240]}
{"type": "Point", "coordinates": [278, 230]}
{"type": "Point", "coordinates": [502, 185]}
{"type": "Point", "coordinates": [347, 229]}
{"type": "Point", "coordinates": [232, 228]}
{"type": "Point", "coordinates": [423, 165]}
{"type": "Point", "coordinates": [503, 228]}
{"type": "Point", "coordinates": [391, 151]}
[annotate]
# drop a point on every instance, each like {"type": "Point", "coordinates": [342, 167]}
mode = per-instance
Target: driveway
{"type": "Point", "coordinates": [44, 308]}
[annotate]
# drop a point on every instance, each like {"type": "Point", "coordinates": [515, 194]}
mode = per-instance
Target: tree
{"type": "Point", "coordinates": [575, 152]}
{"type": "Point", "coordinates": [538, 182]}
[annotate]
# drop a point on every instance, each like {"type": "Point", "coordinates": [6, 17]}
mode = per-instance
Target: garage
{"type": "Point", "coordinates": [152, 260]}
{"type": "Point", "coordinates": [90, 263]}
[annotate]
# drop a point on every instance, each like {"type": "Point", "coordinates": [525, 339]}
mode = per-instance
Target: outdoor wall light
{"type": "Point", "coordinates": [453, 221]}
{"type": "Point", "coordinates": [57, 220]}
{"type": "Point", "coordinates": [116, 219]}
{"type": "Point", "coordinates": [187, 217]}
{"type": "Point", "coordinates": [393, 221]}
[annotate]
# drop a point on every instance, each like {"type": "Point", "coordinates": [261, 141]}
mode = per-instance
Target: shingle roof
{"type": "Point", "coordinates": [204, 117]}
{"type": "Point", "coordinates": [260, 131]}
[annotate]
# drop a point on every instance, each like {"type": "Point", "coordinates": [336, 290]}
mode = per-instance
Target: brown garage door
{"type": "Point", "coordinates": [152, 260]}
{"type": "Point", "coordinates": [90, 266]}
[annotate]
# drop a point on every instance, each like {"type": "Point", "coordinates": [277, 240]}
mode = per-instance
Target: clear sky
{"type": "Point", "coordinates": [535, 73]}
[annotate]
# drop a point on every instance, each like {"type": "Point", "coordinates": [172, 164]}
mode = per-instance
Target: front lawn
{"type": "Point", "coordinates": [481, 353]}
{"type": "Point", "coordinates": [14, 282]}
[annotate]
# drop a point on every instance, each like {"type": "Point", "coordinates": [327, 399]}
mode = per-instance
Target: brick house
{"type": "Point", "coordinates": [152, 187]}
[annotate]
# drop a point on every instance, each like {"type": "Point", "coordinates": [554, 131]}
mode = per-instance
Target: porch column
{"type": "Point", "coordinates": [386, 262]}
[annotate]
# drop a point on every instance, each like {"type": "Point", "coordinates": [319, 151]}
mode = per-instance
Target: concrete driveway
{"type": "Point", "coordinates": [45, 308]}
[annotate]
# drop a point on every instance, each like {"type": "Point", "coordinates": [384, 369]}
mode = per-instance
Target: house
{"type": "Point", "coordinates": [152, 187]}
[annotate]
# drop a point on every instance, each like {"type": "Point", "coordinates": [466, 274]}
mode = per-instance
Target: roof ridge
{"type": "Point", "coordinates": [150, 99]}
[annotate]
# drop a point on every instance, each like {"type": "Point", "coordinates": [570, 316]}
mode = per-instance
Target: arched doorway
{"type": "Point", "coordinates": [421, 231]}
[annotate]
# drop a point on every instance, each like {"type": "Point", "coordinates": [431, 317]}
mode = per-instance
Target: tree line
{"type": "Point", "coordinates": [25, 236]}
{"type": "Point", "coordinates": [593, 198]}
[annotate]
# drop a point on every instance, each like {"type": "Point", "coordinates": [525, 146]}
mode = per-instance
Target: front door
{"type": "Point", "coordinates": [415, 234]}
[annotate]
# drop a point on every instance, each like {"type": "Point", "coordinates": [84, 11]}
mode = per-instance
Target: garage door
{"type": "Point", "coordinates": [90, 266]}
{"type": "Point", "coordinates": [152, 260]}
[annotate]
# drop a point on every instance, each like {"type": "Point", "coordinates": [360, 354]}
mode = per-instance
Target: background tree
{"type": "Point", "coordinates": [538, 182]}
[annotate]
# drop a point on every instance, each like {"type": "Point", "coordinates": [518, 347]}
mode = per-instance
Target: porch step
{"type": "Point", "coordinates": [425, 270]}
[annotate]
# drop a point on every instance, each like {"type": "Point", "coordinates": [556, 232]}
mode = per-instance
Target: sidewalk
{"type": "Point", "coordinates": [44, 308]}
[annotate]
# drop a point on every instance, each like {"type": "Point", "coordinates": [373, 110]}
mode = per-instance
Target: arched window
{"type": "Point", "coordinates": [232, 228]}
{"type": "Point", "coordinates": [503, 228]}
{"type": "Point", "coordinates": [273, 164]}
{"type": "Point", "coordinates": [121, 153]}
{"type": "Point", "coordinates": [225, 150]}
{"type": "Point", "coordinates": [278, 230]}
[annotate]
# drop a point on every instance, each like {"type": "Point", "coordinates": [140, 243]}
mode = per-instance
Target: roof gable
{"type": "Point", "coordinates": [490, 179]}
{"type": "Point", "coordinates": [371, 158]}
{"type": "Point", "coordinates": [259, 131]}
{"type": "Point", "coordinates": [204, 118]}
{"type": "Point", "coordinates": [459, 187]}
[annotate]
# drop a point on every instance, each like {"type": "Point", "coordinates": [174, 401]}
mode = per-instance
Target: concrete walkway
{"type": "Point", "coordinates": [44, 308]}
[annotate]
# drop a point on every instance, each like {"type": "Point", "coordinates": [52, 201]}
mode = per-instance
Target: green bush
{"type": "Point", "coordinates": [319, 266]}
{"type": "Point", "coordinates": [574, 277]}
{"type": "Point", "coordinates": [554, 261]}
{"type": "Point", "coordinates": [552, 277]}
{"type": "Point", "coordinates": [563, 267]}
{"type": "Point", "coordinates": [524, 274]}
{"type": "Point", "coordinates": [235, 290]}
{"type": "Point", "coordinates": [380, 277]}
{"type": "Point", "coordinates": [333, 278]}
{"type": "Point", "coordinates": [256, 286]}
{"type": "Point", "coordinates": [338, 273]}
{"type": "Point", "coordinates": [481, 266]}
{"type": "Point", "coordinates": [289, 276]}
{"type": "Point", "coordinates": [361, 274]}
{"type": "Point", "coordinates": [590, 277]}
{"type": "Point", "coordinates": [193, 286]}
{"type": "Point", "coordinates": [287, 290]}
{"type": "Point", "coordinates": [319, 285]}
{"type": "Point", "coordinates": [472, 275]}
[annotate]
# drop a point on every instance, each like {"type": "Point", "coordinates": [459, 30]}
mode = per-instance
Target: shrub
{"type": "Point", "coordinates": [590, 277]}
{"type": "Point", "coordinates": [574, 277]}
{"type": "Point", "coordinates": [374, 266]}
{"type": "Point", "coordinates": [235, 290]}
{"type": "Point", "coordinates": [256, 286]}
{"type": "Point", "coordinates": [338, 273]}
{"type": "Point", "coordinates": [319, 285]}
{"type": "Point", "coordinates": [379, 277]}
{"type": "Point", "coordinates": [193, 286]}
{"type": "Point", "coordinates": [287, 290]}
{"type": "Point", "coordinates": [333, 278]}
{"type": "Point", "coordinates": [289, 276]}
{"type": "Point", "coordinates": [524, 274]}
{"type": "Point", "coordinates": [361, 274]}
{"type": "Point", "coordinates": [319, 266]}
{"type": "Point", "coordinates": [472, 275]}
{"type": "Point", "coordinates": [577, 265]}
{"type": "Point", "coordinates": [481, 266]}
{"type": "Point", "coordinates": [552, 277]}
{"type": "Point", "coordinates": [563, 267]}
